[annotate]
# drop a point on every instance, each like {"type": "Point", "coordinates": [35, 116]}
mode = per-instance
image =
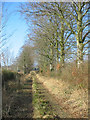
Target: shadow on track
{"type": "Point", "coordinates": [21, 106]}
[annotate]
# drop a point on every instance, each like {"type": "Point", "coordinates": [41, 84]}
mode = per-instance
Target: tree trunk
{"type": "Point", "coordinates": [57, 52]}
{"type": "Point", "coordinates": [62, 56]}
{"type": "Point", "coordinates": [79, 54]}
{"type": "Point", "coordinates": [79, 37]}
{"type": "Point", "coordinates": [52, 58]}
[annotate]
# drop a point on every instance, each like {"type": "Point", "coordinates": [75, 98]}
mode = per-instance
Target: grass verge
{"type": "Point", "coordinates": [42, 108]}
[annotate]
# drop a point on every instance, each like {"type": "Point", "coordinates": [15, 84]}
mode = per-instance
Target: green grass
{"type": "Point", "coordinates": [39, 101]}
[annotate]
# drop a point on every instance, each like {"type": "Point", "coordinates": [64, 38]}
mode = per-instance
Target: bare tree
{"type": "Point", "coordinates": [70, 18]}
{"type": "Point", "coordinates": [7, 58]}
{"type": "Point", "coordinates": [59, 37]}
{"type": "Point", "coordinates": [78, 12]}
{"type": "Point", "coordinates": [25, 59]}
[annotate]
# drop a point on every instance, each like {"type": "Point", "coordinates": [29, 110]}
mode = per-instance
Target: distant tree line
{"type": "Point", "coordinates": [24, 61]}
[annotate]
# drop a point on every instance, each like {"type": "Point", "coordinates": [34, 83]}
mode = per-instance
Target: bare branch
{"type": "Point", "coordinates": [86, 42]}
{"type": "Point", "coordinates": [68, 37]}
{"type": "Point", "coordinates": [85, 36]}
{"type": "Point", "coordinates": [85, 12]}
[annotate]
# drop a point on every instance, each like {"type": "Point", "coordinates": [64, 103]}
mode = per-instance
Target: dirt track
{"type": "Point", "coordinates": [55, 107]}
{"type": "Point", "coordinates": [22, 105]}
{"type": "Point", "coordinates": [67, 98]}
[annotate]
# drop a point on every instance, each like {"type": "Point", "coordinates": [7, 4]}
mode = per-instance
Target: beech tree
{"type": "Point", "coordinates": [60, 37]}
{"type": "Point", "coordinates": [45, 42]}
{"type": "Point", "coordinates": [79, 12]}
{"type": "Point", "coordinates": [70, 19]}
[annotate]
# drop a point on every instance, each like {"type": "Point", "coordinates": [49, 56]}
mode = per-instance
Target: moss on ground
{"type": "Point", "coordinates": [40, 103]}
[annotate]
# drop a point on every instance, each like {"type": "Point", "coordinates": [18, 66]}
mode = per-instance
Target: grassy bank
{"type": "Point", "coordinates": [70, 88]}
{"type": "Point", "coordinates": [10, 86]}
{"type": "Point", "coordinates": [71, 74]}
